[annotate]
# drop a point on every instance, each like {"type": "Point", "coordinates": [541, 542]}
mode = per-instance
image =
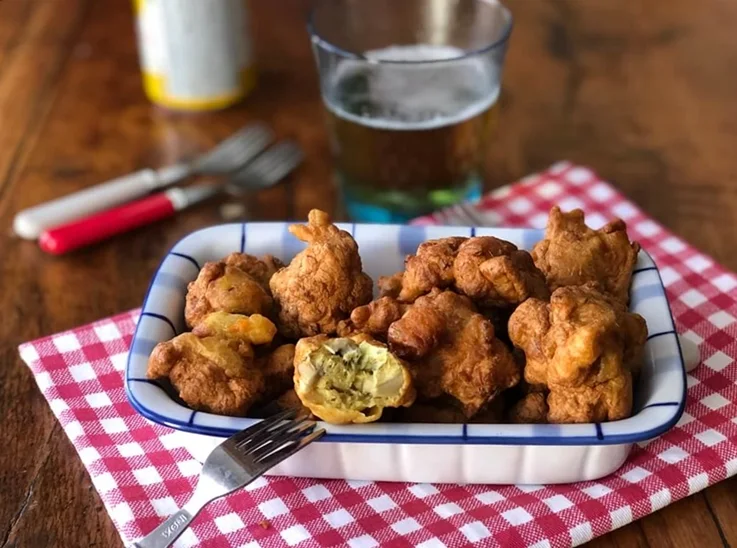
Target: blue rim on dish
{"type": "Point", "coordinates": [660, 395]}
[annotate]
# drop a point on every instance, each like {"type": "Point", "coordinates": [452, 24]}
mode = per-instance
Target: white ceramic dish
{"type": "Point", "coordinates": [457, 453]}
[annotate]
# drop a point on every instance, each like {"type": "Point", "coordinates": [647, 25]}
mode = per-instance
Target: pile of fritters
{"type": "Point", "coordinates": [472, 330]}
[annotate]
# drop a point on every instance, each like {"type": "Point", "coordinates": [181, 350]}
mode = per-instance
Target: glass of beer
{"type": "Point", "coordinates": [411, 89]}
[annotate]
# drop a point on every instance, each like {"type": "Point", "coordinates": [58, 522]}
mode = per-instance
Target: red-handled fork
{"type": "Point", "coordinates": [266, 170]}
{"type": "Point", "coordinates": [228, 156]}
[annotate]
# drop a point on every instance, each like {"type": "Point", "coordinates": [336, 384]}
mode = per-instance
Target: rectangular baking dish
{"type": "Point", "coordinates": [456, 453]}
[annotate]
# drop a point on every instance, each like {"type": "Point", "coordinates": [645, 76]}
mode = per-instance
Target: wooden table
{"type": "Point", "coordinates": [642, 91]}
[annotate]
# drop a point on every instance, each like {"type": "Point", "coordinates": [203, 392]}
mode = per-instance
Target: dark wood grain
{"type": "Point", "coordinates": [644, 92]}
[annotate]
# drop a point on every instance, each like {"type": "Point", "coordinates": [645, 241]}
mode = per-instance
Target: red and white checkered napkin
{"type": "Point", "coordinates": [143, 473]}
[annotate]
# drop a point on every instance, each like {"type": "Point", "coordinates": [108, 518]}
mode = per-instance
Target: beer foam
{"type": "Point", "coordinates": [417, 52]}
{"type": "Point", "coordinates": [400, 96]}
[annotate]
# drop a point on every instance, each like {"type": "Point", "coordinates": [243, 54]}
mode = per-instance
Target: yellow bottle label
{"type": "Point", "coordinates": [195, 55]}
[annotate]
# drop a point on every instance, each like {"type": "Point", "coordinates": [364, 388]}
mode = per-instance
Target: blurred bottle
{"type": "Point", "coordinates": [195, 54]}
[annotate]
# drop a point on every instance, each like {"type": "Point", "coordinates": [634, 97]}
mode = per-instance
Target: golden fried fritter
{"type": "Point", "coordinates": [260, 269]}
{"type": "Point", "coordinates": [583, 346]}
{"type": "Point", "coordinates": [211, 374]}
{"type": "Point", "coordinates": [290, 400]}
{"type": "Point", "coordinates": [531, 409]}
{"type": "Point", "coordinates": [635, 336]}
{"type": "Point", "coordinates": [431, 266]}
{"type": "Point", "coordinates": [492, 272]}
{"type": "Point", "coordinates": [528, 329]}
{"type": "Point", "coordinates": [278, 370]}
{"type": "Point", "coordinates": [374, 318]}
{"type": "Point", "coordinates": [213, 367]}
{"type": "Point", "coordinates": [323, 283]}
{"type": "Point", "coordinates": [351, 379]}
{"type": "Point", "coordinates": [606, 401]}
{"type": "Point", "coordinates": [574, 254]}
{"type": "Point", "coordinates": [499, 318]}
{"type": "Point", "coordinates": [390, 286]}
{"type": "Point", "coordinates": [254, 329]}
{"type": "Point", "coordinates": [421, 332]}
{"type": "Point", "coordinates": [452, 350]}
{"type": "Point", "coordinates": [581, 335]}
{"type": "Point", "coordinates": [237, 284]}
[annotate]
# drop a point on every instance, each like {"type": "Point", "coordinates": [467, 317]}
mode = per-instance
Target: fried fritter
{"type": "Point", "coordinates": [635, 336]}
{"type": "Point", "coordinates": [260, 269]}
{"type": "Point", "coordinates": [492, 272]}
{"type": "Point", "coordinates": [254, 329]}
{"type": "Point", "coordinates": [290, 400]}
{"type": "Point", "coordinates": [278, 370]}
{"type": "Point", "coordinates": [237, 284]}
{"type": "Point", "coordinates": [390, 286]}
{"type": "Point", "coordinates": [323, 283]}
{"type": "Point", "coordinates": [583, 346]}
{"type": "Point", "coordinates": [422, 331]}
{"type": "Point", "coordinates": [213, 367]}
{"type": "Point", "coordinates": [374, 318]}
{"type": "Point", "coordinates": [574, 254]}
{"type": "Point", "coordinates": [211, 374]}
{"type": "Point", "coordinates": [453, 350]}
{"type": "Point", "coordinates": [499, 318]}
{"type": "Point", "coordinates": [351, 379]}
{"type": "Point", "coordinates": [528, 328]}
{"type": "Point", "coordinates": [606, 401]}
{"type": "Point", "coordinates": [431, 266]}
{"type": "Point", "coordinates": [581, 335]}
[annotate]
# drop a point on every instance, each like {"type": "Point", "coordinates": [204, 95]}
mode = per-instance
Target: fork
{"type": "Point", "coordinates": [235, 463]}
{"type": "Point", "coordinates": [226, 157]}
{"type": "Point", "coordinates": [266, 170]}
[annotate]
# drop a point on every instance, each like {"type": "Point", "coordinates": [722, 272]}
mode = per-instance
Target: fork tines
{"type": "Point", "coordinates": [275, 437]}
{"type": "Point", "coordinates": [271, 166]}
{"type": "Point", "coordinates": [274, 453]}
{"type": "Point", "coordinates": [276, 432]}
{"type": "Point", "coordinates": [262, 425]}
{"type": "Point", "coordinates": [237, 149]}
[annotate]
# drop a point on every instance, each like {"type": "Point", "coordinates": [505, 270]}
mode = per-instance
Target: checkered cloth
{"type": "Point", "coordinates": [143, 472]}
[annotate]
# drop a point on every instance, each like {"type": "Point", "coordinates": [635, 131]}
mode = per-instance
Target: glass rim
{"type": "Point", "coordinates": [318, 40]}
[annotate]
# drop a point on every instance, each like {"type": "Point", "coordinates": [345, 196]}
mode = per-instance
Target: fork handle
{"type": "Point", "coordinates": [96, 228]}
{"type": "Point", "coordinates": [30, 223]}
{"type": "Point", "coordinates": [166, 533]}
{"type": "Point", "coordinates": [172, 527]}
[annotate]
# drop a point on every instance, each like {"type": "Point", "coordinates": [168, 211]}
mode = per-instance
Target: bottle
{"type": "Point", "coordinates": [195, 54]}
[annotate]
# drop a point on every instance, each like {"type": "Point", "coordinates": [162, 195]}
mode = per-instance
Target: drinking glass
{"type": "Point", "coordinates": [410, 89]}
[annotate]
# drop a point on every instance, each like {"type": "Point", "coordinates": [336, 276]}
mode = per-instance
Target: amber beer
{"type": "Point", "coordinates": [411, 140]}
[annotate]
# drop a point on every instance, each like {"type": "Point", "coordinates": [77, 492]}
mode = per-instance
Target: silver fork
{"type": "Point", "coordinates": [266, 170]}
{"type": "Point", "coordinates": [228, 156]}
{"type": "Point", "coordinates": [235, 463]}
{"type": "Point", "coordinates": [232, 153]}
